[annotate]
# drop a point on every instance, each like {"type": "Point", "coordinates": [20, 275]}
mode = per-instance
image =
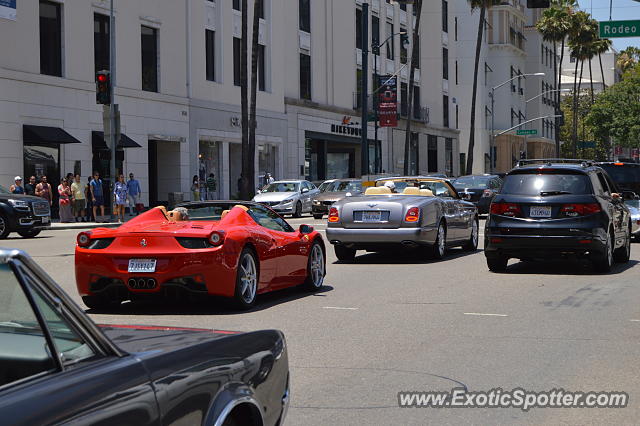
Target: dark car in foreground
{"type": "Point", "coordinates": [122, 374]}
{"type": "Point", "coordinates": [553, 209]}
{"type": "Point", "coordinates": [25, 214]}
{"type": "Point", "coordinates": [479, 189]}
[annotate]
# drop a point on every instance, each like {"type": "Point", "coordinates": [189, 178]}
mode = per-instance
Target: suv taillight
{"type": "Point", "coordinates": [333, 215]}
{"type": "Point", "coordinates": [506, 209]}
{"type": "Point", "coordinates": [574, 210]}
{"type": "Point", "coordinates": [413, 215]}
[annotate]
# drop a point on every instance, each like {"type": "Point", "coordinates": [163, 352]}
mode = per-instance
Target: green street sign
{"type": "Point", "coordinates": [609, 29]}
{"type": "Point", "coordinates": [529, 132]}
{"type": "Point", "coordinates": [586, 144]}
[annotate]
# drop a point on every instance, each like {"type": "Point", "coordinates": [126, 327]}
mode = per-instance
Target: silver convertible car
{"type": "Point", "coordinates": [423, 213]}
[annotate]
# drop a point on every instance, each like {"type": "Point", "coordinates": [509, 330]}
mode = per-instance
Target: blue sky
{"type": "Point", "coordinates": [622, 10]}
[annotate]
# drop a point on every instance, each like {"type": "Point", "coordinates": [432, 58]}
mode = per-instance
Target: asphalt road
{"type": "Point", "coordinates": [390, 323]}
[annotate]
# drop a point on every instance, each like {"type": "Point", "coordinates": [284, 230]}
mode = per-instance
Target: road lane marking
{"type": "Point", "coordinates": [339, 308]}
{"type": "Point", "coordinates": [485, 315]}
{"type": "Point", "coordinates": [634, 320]}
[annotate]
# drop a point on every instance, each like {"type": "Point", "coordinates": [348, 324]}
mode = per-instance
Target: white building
{"type": "Point", "coordinates": [610, 69]}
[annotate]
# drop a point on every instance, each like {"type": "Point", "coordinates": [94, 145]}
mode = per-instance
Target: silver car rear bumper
{"type": "Point", "coordinates": [425, 235]}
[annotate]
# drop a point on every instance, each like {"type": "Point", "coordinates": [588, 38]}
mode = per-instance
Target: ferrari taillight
{"type": "Point", "coordinates": [84, 239]}
{"type": "Point", "coordinates": [413, 215]}
{"type": "Point", "coordinates": [216, 238]}
{"type": "Point", "coordinates": [506, 209]}
{"type": "Point", "coordinates": [333, 215]}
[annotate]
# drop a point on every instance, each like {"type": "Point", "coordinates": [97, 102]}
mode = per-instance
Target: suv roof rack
{"type": "Point", "coordinates": [550, 161]}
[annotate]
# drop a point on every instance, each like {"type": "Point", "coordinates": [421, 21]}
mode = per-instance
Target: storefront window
{"type": "Point", "coordinates": [208, 163]}
{"type": "Point", "coordinates": [267, 155]}
{"type": "Point", "coordinates": [43, 160]}
{"type": "Point", "coordinates": [448, 150]}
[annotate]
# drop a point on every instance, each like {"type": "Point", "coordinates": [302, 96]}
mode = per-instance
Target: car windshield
{"type": "Point", "coordinates": [324, 185]}
{"type": "Point", "coordinates": [546, 184]}
{"type": "Point", "coordinates": [480, 182]}
{"type": "Point", "coordinates": [282, 187]}
{"type": "Point", "coordinates": [624, 174]}
{"type": "Point", "coordinates": [4, 190]}
{"type": "Point", "coordinates": [342, 186]}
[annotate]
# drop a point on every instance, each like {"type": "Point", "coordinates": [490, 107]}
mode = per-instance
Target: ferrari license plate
{"type": "Point", "coordinates": [372, 216]}
{"type": "Point", "coordinates": [142, 265]}
{"type": "Point", "coordinates": [540, 211]}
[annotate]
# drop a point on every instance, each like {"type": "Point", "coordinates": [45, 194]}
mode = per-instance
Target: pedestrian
{"type": "Point", "coordinates": [69, 178]}
{"type": "Point", "coordinates": [240, 179]}
{"type": "Point", "coordinates": [87, 196]}
{"type": "Point", "coordinates": [30, 188]}
{"type": "Point", "coordinates": [120, 198]}
{"type": "Point", "coordinates": [79, 199]}
{"type": "Point", "coordinates": [212, 186]}
{"type": "Point", "coordinates": [17, 187]}
{"type": "Point", "coordinates": [64, 202]}
{"type": "Point", "coordinates": [43, 190]}
{"type": "Point", "coordinates": [97, 197]}
{"type": "Point", "coordinates": [195, 188]}
{"type": "Point", "coordinates": [269, 179]}
{"type": "Point", "coordinates": [134, 191]}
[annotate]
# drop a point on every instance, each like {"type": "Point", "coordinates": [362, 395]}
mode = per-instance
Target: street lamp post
{"type": "Point", "coordinates": [493, 99]}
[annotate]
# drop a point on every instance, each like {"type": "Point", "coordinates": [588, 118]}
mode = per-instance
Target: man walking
{"type": "Point", "coordinates": [30, 188]}
{"type": "Point", "coordinates": [212, 186]}
{"type": "Point", "coordinates": [43, 190]}
{"type": "Point", "coordinates": [97, 196]}
{"type": "Point", "coordinates": [134, 192]}
{"type": "Point", "coordinates": [17, 187]}
{"type": "Point", "coordinates": [78, 199]}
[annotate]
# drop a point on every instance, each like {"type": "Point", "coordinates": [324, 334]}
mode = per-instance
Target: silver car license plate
{"type": "Point", "coordinates": [372, 216]}
{"type": "Point", "coordinates": [540, 211]}
{"type": "Point", "coordinates": [142, 265]}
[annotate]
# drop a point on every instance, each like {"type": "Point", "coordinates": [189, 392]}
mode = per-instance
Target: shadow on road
{"type": "Point", "coordinates": [404, 257]}
{"type": "Point", "coordinates": [567, 267]}
{"type": "Point", "coordinates": [207, 305]}
{"type": "Point", "coordinates": [19, 238]}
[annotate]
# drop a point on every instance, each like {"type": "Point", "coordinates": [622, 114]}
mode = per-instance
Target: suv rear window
{"type": "Point", "coordinates": [546, 184]}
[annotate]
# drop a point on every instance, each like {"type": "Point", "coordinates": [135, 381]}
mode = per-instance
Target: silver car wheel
{"type": "Point", "coordinates": [609, 250]}
{"type": "Point", "coordinates": [474, 232]}
{"type": "Point", "coordinates": [317, 266]}
{"type": "Point", "coordinates": [249, 279]}
{"type": "Point", "coordinates": [3, 225]}
{"type": "Point", "coordinates": [441, 240]}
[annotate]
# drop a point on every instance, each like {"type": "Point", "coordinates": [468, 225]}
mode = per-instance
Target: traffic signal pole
{"type": "Point", "coordinates": [112, 113]}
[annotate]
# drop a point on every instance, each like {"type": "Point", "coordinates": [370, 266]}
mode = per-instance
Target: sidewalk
{"type": "Point", "coordinates": [57, 226]}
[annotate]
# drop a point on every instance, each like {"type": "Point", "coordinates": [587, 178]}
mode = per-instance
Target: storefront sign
{"type": "Point", "coordinates": [388, 101]}
{"type": "Point", "coordinates": [350, 130]}
{"type": "Point", "coordinates": [8, 9]}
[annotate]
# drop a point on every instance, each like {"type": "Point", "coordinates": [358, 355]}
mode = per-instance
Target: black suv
{"type": "Point", "coordinates": [24, 214]}
{"type": "Point", "coordinates": [555, 209]}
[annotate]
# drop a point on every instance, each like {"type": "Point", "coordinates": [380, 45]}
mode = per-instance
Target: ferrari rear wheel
{"type": "Point", "coordinates": [246, 280]}
{"type": "Point", "coordinates": [315, 268]}
{"type": "Point", "coordinates": [345, 254]}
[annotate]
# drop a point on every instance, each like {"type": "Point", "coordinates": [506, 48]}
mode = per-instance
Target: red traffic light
{"type": "Point", "coordinates": [102, 78]}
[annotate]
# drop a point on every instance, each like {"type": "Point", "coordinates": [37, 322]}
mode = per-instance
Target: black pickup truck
{"type": "Point", "coordinates": [24, 214]}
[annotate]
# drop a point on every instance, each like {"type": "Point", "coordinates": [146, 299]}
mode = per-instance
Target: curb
{"type": "Point", "coordinates": [80, 225]}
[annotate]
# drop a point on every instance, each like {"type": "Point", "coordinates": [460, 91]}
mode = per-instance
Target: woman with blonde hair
{"type": "Point", "coordinates": [120, 198]}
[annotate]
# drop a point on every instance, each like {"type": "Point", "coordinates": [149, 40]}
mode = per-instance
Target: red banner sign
{"type": "Point", "coordinates": [388, 101]}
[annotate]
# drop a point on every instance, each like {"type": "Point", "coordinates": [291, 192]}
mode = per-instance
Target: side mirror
{"type": "Point", "coordinates": [305, 190]}
{"type": "Point", "coordinates": [629, 195]}
{"type": "Point", "coordinates": [305, 229]}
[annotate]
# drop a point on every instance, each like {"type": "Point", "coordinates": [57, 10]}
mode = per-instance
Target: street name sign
{"type": "Point", "coordinates": [527, 132]}
{"type": "Point", "coordinates": [586, 144]}
{"type": "Point", "coordinates": [610, 29]}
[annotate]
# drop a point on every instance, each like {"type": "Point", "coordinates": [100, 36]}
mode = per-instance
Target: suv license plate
{"type": "Point", "coordinates": [540, 211]}
{"type": "Point", "coordinates": [45, 219]}
{"type": "Point", "coordinates": [142, 265]}
{"type": "Point", "coordinates": [372, 216]}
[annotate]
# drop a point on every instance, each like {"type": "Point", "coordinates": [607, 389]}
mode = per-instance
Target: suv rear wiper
{"type": "Point", "coordinates": [545, 193]}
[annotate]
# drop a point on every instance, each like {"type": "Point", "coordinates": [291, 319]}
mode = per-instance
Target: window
{"type": "Point", "coordinates": [269, 219]}
{"type": "Point", "coordinates": [237, 5]}
{"type": "Point", "coordinates": [404, 101]}
{"type": "Point", "coordinates": [100, 42]}
{"type": "Point", "coordinates": [358, 29]}
{"type": "Point", "coordinates": [416, 102]}
{"type": "Point", "coordinates": [305, 15]}
{"type": "Point", "coordinates": [262, 86]}
{"type": "Point", "coordinates": [210, 47]}
{"type": "Point", "coordinates": [404, 54]}
{"type": "Point", "coordinates": [448, 155]}
{"type": "Point", "coordinates": [445, 111]}
{"type": "Point", "coordinates": [375, 30]}
{"type": "Point", "coordinates": [457, 72]}
{"type": "Point", "coordinates": [445, 16]}
{"type": "Point", "coordinates": [50, 38]}
{"type": "Point", "coordinates": [432, 153]}
{"type": "Point", "coordinates": [445, 63]}
{"type": "Point", "coordinates": [261, 9]}
{"type": "Point", "coordinates": [417, 50]}
{"type": "Point", "coordinates": [149, 59]}
{"type": "Point", "coordinates": [403, 6]}
{"type": "Point", "coordinates": [455, 29]}
{"type": "Point", "coordinates": [236, 61]}
{"type": "Point", "coordinates": [390, 44]}
{"type": "Point", "coordinates": [457, 117]}
{"type": "Point", "coordinates": [305, 76]}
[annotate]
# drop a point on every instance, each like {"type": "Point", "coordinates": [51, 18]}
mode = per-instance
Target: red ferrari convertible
{"type": "Point", "coordinates": [223, 248]}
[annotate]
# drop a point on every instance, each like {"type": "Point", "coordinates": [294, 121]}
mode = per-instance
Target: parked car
{"type": "Point", "coordinates": [335, 191]}
{"type": "Point", "coordinates": [223, 248]}
{"type": "Point", "coordinates": [288, 196]}
{"type": "Point", "coordinates": [122, 374]}
{"type": "Point", "coordinates": [479, 189]}
{"type": "Point", "coordinates": [25, 214]}
{"type": "Point", "coordinates": [627, 177]}
{"type": "Point", "coordinates": [557, 209]}
{"type": "Point", "coordinates": [425, 213]}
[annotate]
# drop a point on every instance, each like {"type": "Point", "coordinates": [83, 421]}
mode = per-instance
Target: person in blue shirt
{"type": "Point", "coordinates": [17, 187]}
{"type": "Point", "coordinates": [134, 192]}
{"type": "Point", "coordinates": [97, 197]}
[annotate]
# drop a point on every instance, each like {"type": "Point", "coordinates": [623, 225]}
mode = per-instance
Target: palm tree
{"type": "Point", "coordinates": [249, 173]}
{"type": "Point", "coordinates": [601, 46]}
{"type": "Point", "coordinates": [483, 5]}
{"type": "Point", "coordinates": [244, 104]}
{"type": "Point", "coordinates": [415, 57]}
{"type": "Point", "coordinates": [628, 58]}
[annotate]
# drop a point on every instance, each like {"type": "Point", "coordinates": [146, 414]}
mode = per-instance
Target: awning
{"type": "Point", "coordinates": [45, 134]}
{"type": "Point", "coordinates": [98, 142]}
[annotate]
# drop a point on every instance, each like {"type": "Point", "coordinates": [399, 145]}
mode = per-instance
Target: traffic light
{"type": "Point", "coordinates": [103, 88]}
{"type": "Point", "coordinates": [538, 4]}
